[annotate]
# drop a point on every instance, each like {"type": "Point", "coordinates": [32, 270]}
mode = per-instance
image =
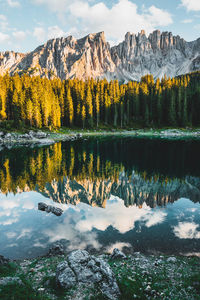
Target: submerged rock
{"type": "Point", "coordinates": [56, 249]}
{"type": "Point", "coordinates": [117, 254]}
{"type": "Point", "coordinates": [42, 206]}
{"type": "Point", "coordinates": [3, 260]}
{"type": "Point", "coordinates": [81, 267]}
{"type": "Point", "coordinates": [48, 208]}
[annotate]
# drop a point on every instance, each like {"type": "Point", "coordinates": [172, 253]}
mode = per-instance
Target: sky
{"type": "Point", "coordinates": [26, 24]}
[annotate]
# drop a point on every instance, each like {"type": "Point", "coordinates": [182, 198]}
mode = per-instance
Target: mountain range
{"type": "Point", "coordinates": [158, 54]}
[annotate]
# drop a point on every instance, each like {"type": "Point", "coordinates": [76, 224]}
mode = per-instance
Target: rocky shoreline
{"type": "Point", "coordinates": [33, 138]}
{"type": "Point", "coordinates": [81, 275]}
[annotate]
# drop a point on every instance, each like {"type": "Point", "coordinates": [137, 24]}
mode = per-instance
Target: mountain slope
{"type": "Point", "coordinates": [138, 55]}
{"type": "Point", "coordinates": [159, 54]}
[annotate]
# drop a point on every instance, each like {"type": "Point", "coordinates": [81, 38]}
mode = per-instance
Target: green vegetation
{"type": "Point", "coordinates": [157, 278]}
{"type": "Point", "coordinates": [16, 291]}
{"type": "Point", "coordinates": [8, 269]}
{"type": "Point", "coordinates": [42, 103]}
{"type": "Point", "coordinates": [138, 277]}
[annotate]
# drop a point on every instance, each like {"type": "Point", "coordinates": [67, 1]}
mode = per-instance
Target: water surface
{"type": "Point", "coordinates": [132, 193]}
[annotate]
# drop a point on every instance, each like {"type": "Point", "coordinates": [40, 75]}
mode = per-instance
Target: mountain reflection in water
{"type": "Point", "coordinates": [89, 171]}
{"type": "Point", "coordinates": [149, 191]}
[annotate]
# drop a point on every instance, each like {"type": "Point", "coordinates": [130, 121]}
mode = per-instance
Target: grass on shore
{"type": "Point", "coordinates": [138, 277]}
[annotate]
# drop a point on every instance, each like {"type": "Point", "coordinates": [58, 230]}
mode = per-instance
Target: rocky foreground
{"type": "Point", "coordinates": [80, 275]}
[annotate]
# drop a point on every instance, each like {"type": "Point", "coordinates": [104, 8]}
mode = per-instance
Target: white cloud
{"type": "Point", "coordinates": [9, 221]}
{"type": "Point", "coordinates": [3, 22]}
{"type": "Point", "coordinates": [13, 3]}
{"type": "Point", "coordinates": [51, 32]}
{"type": "Point", "coordinates": [19, 35]}
{"type": "Point", "coordinates": [11, 235]}
{"type": "Point", "coordinates": [187, 21]}
{"type": "Point", "coordinates": [191, 5]}
{"type": "Point", "coordinates": [3, 18]}
{"type": "Point", "coordinates": [186, 230]}
{"type": "Point", "coordinates": [26, 232]}
{"type": "Point", "coordinates": [40, 34]}
{"type": "Point", "coordinates": [116, 20]}
{"type": "Point", "coordinates": [197, 27]}
{"type": "Point", "coordinates": [158, 17]}
{"type": "Point", "coordinates": [54, 32]}
{"type": "Point", "coordinates": [78, 240]}
{"type": "Point", "coordinates": [119, 217]}
{"type": "Point", "coordinates": [123, 16]}
{"type": "Point", "coordinates": [155, 218]}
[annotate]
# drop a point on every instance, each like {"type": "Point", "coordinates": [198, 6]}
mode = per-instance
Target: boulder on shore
{"type": "Point", "coordinates": [81, 267]}
{"type": "Point", "coordinates": [117, 254]}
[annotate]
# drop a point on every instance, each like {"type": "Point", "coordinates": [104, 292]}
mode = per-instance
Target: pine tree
{"type": "Point", "coordinates": [69, 108]}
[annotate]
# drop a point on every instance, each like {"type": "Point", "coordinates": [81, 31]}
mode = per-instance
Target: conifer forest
{"type": "Point", "coordinates": [39, 102]}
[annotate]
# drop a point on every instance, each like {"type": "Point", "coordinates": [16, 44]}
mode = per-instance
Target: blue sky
{"type": "Point", "coordinates": [25, 24]}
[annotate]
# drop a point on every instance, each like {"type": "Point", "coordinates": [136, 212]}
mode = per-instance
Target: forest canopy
{"type": "Point", "coordinates": [39, 102]}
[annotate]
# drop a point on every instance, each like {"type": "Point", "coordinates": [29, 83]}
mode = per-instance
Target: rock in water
{"type": "Point", "coordinates": [48, 208]}
{"type": "Point", "coordinates": [3, 260]}
{"type": "Point", "coordinates": [81, 267]}
{"type": "Point", "coordinates": [56, 211]}
{"type": "Point", "coordinates": [56, 249]}
{"type": "Point", "coordinates": [42, 206]}
{"type": "Point", "coordinates": [117, 254]}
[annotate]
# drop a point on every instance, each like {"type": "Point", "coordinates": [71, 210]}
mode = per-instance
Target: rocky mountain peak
{"type": "Point", "coordinates": [91, 56]}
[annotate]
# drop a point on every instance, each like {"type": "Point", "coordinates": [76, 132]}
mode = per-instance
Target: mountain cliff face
{"type": "Point", "coordinates": [9, 60]}
{"type": "Point", "coordinates": [159, 54]}
{"type": "Point", "coordinates": [138, 55]}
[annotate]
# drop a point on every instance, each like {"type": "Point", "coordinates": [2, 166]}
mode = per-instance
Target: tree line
{"type": "Point", "coordinates": [39, 102]}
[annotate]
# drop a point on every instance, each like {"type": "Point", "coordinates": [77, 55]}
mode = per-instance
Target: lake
{"type": "Point", "coordinates": [135, 194]}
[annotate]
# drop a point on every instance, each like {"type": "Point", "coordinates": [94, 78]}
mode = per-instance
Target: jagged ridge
{"type": "Point", "coordinates": [91, 56]}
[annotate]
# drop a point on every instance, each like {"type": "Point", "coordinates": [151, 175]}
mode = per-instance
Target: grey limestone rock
{"type": "Point", "coordinates": [65, 277]}
{"type": "Point", "coordinates": [82, 267]}
{"type": "Point", "coordinates": [158, 54]}
{"type": "Point", "coordinates": [117, 254]}
{"type": "Point", "coordinates": [48, 208]}
{"type": "Point", "coordinates": [172, 260]}
{"type": "Point", "coordinates": [8, 280]}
